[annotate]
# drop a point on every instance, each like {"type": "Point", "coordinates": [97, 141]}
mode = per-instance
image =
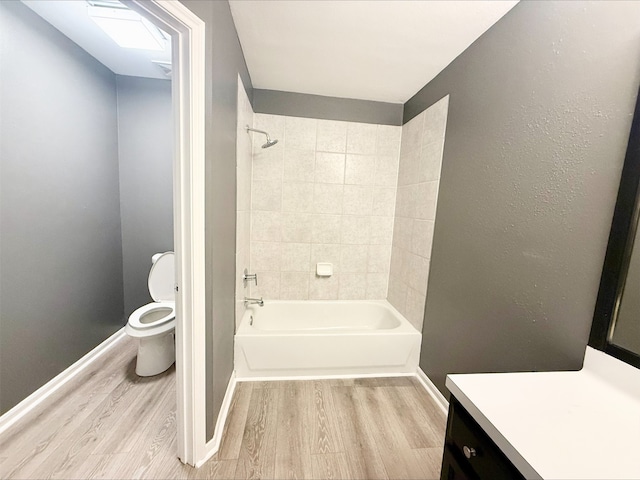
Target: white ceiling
{"type": "Point", "coordinates": [70, 17]}
{"type": "Point", "coordinates": [383, 50]}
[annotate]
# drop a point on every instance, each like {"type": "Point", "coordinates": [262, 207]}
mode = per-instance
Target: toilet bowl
{"type": "Point", "coordinates": [154, 324]}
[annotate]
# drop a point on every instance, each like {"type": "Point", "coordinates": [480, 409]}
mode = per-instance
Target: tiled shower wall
{"type": "Point", "coordinates": [243, 196]}
{"type": "Point", "coordinates": [325, 193]}
{"type": "Point", "coordinates": [415, 210]}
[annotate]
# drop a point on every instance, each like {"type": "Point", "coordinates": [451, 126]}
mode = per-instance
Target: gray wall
{"type": "Point", "coordinates": [60, 257]}
{"type": "Point", "coordinates": [224, 62]}
{"type": "Point", "coordinates": [539, 116]}
{"type": "Point", "coordinates": [326, 108]}
{"type": "Point", "coordinates": [145, 153]}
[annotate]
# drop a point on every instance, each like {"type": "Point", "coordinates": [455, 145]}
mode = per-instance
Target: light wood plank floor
{"type": "Point", "coordinates": [111, 424]}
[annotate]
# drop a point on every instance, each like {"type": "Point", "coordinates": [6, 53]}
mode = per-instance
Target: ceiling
{"type": "Point", "coordinates": [70, 17]}
{"type": "Point", "coordinates": [383, 50]}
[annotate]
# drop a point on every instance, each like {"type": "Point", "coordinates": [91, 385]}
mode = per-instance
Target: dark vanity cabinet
{"type": "Point", "coordinates": [469, 453]}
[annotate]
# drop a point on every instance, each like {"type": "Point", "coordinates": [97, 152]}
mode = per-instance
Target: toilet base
{"type": "Point", "coordinates": [155, 354]}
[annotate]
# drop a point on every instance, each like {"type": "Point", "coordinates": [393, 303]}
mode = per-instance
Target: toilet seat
{"type": "Point", "coordinates": [137, 327]}
{"type": "Point", "coordinates": [136, 320]}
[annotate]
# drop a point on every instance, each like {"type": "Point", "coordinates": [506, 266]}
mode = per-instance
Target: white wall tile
{"type": "Point", "coordinates": [435, 120]}
{"type": "Point", "coordinates": [332, 136]}
{"type": "Point", "coordinates": [323, 288]}
{"type": "Point", "coordinates": [360, 170]}
{"type": "Point", "coordinates": [422, 237]}
{"type": "Point", "coordinates": [415, 308]}
{"type": "Point", "coordinates": [297, 227]}
{"type": "Point", "coordinates": [426, 197]}
{"type": "Point", "coordinates": [397, 294]}
{"type": "Point", "coordinates": [327, 198]}
{"type": "Point", "coordinates": [268, 163]}
{"type": "Point", "coordinates": [353, 259]}
{"type": "Point", "coordinates": [329, 167]}
{"type": "Point", "coordinates": [294, 285]}
{"type": "Point", "coordinates": [295, 257]}
{"type": "Point", "coordinates": [297, 197]}
{"type": "Point", "coordinates": [326, 228]}
{"type": "Point", "coordinates": [267, 195]}
{"type": "Point", "coordinates": [418, 272]}
{"type": "Point", "coordinates": [322, 194]}
{"type": "Point", "coordinates": [356, 230]}
{"type": "Point", "coordinates": [397, 267]}
{"type": "Point", "coordinates": [243, 190]}
{"type": "Point", "coordinates": [274, 124]}
{"type": "Point", "coordinates": [300, 133]}
{"type": "Point", "coordinates": [266, 226]}
{"type": "Point", "coordinates": [361, 138]}
{"type": "Point", "coordinates": [386, 170]}
{"type": "Point", "coordinates": [379, 258]}
{"type": "Point", "coordinates": [353, 286]}
{"type": "Point", "coordinates": [431, 134]}
{"type": "Point", "coordinates": [377, 286]}
{"type": "Point", "coordinates": [299, 165]}
{"type": "Point", "coordinates": [402, 232]}
{"type": "Point", "coordinates": [412, 134]}
{"type": "Point", "coordinates": [265, 256]}
{"type": "Point", "coordinates": [358, 200]}
{"type": "Point", "coordinates": [384, 201]}
{"type": "Point", "coordinates": [243, 229]}
{"type": "Point", "coordinates": [408, 167]}
{"type": "Point", "coordinates": [268, 286]}
{"type": "Point", "coordinates": [429, 169]}
{"type": "Point", "coordinates": [381, 231]}
{"type": "Point", "coordinates": [388, 140]}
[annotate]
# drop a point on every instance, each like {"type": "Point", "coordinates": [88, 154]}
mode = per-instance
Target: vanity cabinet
{"type": "Point", "coordinates": [469, 453]}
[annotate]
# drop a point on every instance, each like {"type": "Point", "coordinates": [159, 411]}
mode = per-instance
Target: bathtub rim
{"type": "Point", "coordinates": [244, 329]}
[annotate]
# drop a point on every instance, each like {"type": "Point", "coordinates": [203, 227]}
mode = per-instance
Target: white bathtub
{"type": "Point", "coordinates": [317, 338]}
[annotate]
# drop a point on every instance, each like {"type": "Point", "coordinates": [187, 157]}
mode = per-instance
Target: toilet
{"type": "Point", "coordinates": [154, 324]}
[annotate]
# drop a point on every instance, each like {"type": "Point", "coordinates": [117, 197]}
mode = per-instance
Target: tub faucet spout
{"type": "Point", "coordinates": [253, 301]}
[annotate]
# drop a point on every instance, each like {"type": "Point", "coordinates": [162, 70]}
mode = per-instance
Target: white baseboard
{"type": "Point", "coordinates": [321, 377]}
{"type": "Point", "coordinates": [432, 390]}
{"type": "Point", "coordinates": [37, 397]}
{"type": "Point", "coordinates": [213, 445]}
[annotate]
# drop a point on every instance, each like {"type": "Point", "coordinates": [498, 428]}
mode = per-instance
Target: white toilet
{"type": "Point", "coordinates": [154, 324]}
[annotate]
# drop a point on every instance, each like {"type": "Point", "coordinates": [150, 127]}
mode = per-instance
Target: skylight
{"type": "Point", "coordinates": [126, 27]}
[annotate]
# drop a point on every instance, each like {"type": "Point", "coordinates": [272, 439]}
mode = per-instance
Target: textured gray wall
{"type": "Point", "coordinates": [326, 108]}
{"type": "Point", "coordinates": [539, 116]}
{"type": "Point", "coordinates": [224, 62]}
{"type": "Point", "coordinates": [60, 256]}
{"type": "Point", "coordinates": [145, 152]}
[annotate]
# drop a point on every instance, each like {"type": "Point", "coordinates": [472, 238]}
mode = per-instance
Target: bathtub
{"type": "Point", "coordinates": [325, 338]}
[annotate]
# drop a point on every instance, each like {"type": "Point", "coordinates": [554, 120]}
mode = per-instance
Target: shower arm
{"type": "Point", "coordinates": [249, 129]}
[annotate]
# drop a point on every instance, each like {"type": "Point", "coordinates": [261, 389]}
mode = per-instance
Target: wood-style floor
{"type": "Point", "coordinates": [111, 424]}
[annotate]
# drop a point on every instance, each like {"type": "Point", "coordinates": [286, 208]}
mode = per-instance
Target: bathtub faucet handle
{"type": "Point", "coordinates": [253, 301]}
{"type": "Point", "coordinates": [247, 277]}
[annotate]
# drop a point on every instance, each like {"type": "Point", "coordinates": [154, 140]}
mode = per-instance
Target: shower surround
{"type": "Point", "coordinates": [325, 193]}
{"type": "Point", "coordinates": [359, 196]}
{"type": "Point", "coordinates": [415, 210]}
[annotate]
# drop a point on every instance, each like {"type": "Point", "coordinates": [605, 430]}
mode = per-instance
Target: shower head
{"type": "Point", "coordinates": [270, 143]}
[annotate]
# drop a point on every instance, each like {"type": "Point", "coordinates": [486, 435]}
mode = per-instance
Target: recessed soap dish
{"type": "Point", "coordinates": [324, 269]}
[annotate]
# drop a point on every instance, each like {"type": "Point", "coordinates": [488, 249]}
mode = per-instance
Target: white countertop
{"type": "Point", "coordinates": [561, 425]}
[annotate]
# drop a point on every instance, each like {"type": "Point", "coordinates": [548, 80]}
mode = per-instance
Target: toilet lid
{"type": "Point", "coordinates": [162, 278]}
